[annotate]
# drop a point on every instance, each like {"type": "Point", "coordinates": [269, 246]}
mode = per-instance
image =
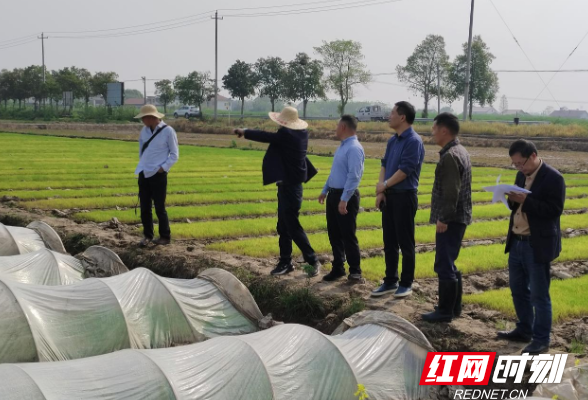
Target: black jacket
{"type": "Point", "coordinates": [285, 159]}
{"type": "Point", "coordinates": [543, 207]}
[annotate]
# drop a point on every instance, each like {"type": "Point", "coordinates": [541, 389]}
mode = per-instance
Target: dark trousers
{"type": "Point", "coordinates": [341, 230]}
{"type": "Point", "coordinates": [289, 228]}
{"type": "Point", "coordinates": [447, 247]}
{"type": "Point", "coordinates": [529, 286]}
{"type": "Point", "coordinates": [398, 226]}
{"type": "Point", "coordinates": [154, 189]}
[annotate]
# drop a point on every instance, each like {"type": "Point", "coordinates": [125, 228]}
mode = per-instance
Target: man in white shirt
{"type": "Point", "coordinates": [158, 151]}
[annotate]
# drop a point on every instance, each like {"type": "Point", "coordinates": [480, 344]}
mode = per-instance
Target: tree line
{"type": "Point", "coordinates": [339, 70]}
{"type": "Point", "coordinates": [302, 79]}
{"type": "Point", "coordinates": [429, 64]}
{"type": "Point", "coordinates": [21, 84]}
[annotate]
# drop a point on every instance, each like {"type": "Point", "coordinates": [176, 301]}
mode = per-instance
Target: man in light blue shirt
{"type": "Point", "coordinates": [158, 152]}
{"type": "Point", "coordinates": [342, 194]}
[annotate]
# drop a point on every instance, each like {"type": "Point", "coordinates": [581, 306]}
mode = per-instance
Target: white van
{"type": "Point", "coordinates": [372, 113]}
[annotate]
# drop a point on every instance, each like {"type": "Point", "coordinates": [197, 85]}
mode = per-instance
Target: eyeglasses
{"type": "Point", "coordinates": [519, 165]}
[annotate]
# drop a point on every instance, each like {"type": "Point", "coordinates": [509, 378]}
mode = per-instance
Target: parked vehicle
{"type": "Point", "coordinates": [187, 112]}
{"type": "Point", "coordinates": [372, 113]}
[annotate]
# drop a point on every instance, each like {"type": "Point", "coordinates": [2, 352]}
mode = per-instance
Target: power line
{"type": "Point", "coordinates": [180, 22]}
{"type": "Point", "coordinates": [312, 10]}
{"type": "Point", "coordinates": [137, 32]}
{"type": "Point", "coordinates": [282, 6]}
{"type": "Point", "coordinates": [18, 44]}
{"type": "Point", "coordinates": [151, 24]}
{"type": "Point", "coordinates": [561, 66]}
{"type": "Point", "coordinates": [521, 47]}
{"type": "Point", "coordinates": [22, 38]}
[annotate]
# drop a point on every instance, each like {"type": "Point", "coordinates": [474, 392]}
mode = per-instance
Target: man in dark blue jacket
{"type": "Point", "coordinates": [534, 241]}
{"type": "Point", "coordinates": [397, 198]}
{"type": "Point", "coordinates": [286, 164]}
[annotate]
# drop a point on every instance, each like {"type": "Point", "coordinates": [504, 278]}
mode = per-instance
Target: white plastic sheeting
{"type": "Point", "coordinates": [287, 362]}
{"type": "Point", "coordinates": [97, 316]}
{"type": "Point", "coordinates": [42, 267]}
{"type": "Point", "coordinates": [48, 267]}
{"type": "Point", "coordinates": [573, 386]}
{"type": "Point", "coordinates": [37, 235]}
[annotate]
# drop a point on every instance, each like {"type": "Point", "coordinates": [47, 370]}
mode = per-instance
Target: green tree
{"type": "Point", "coordinates": [133, 94]}
{"type": "Point", "coordinates": [54, 91]}
{"type": "Point", "coordinates": [85, 88]}
{"type": "Point", "coordinates": [68, 81]}
{"type": "Point", "coordinates": [270, 78]}
{"type": "Point", "coordinates": [33, 84]}
{"type": "Point", "coordinates": [100, 82]}
{"type": "Point", "coordinates": [240, 81]}
{"type": "Point", "coordinates": [195, 88]}
{"type": "Point", "coordinates": [343, 60]}
{"type": "Point", "coordinates": [5, 94]}
{"type": "Point", "coordinates": [20, 88]}
{"type": "Point", "coordinates": [303, 80]}
{"type": "Point", "coordinates": [165, 91]}
{"type": "Point", "coordinates": [428, 62]}
{"type": "Point", "coordinates": [483, 81]}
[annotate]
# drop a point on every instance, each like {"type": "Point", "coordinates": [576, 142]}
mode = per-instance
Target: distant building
{"type": "Point", "coordinates": [221, 100]}
{"type": "Point", "coordinates": [565, 113]}
{"type": "Point", "coordinates": [140, 102]}
{"type": "Point", "coordinates": [484, 111]}
{"type": "Point", "coordinates": [515, 112]}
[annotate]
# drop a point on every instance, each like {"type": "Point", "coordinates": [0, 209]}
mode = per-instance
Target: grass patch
{"type": "Point", "coordinates": [372, 239]}
{"type": "Point", "coordinates": [474, 259]}
{"type": "Point", "coordinates": [76, 243]}
{"type": "Point", "coordinates": [14, 220]}
{"type": "Point", "coordinates": [568, 299]}
{"type": "Point", "coordinates": [577, 347]}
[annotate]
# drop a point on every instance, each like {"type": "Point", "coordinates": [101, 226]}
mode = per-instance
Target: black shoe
{"type": "Point", "coordinates": [514, 336]}
{"type": "Point", "coordinates": [282, 269]}
{"type": "Point", "coordinates": [447, 297]}
{"type": "Point", "coordinates": [162, 241]}
{"type": "Point", "coordinates": [333, 275]}
{"type": "Point", "coordinates": [145, 242]}
{"type": "Point", "coordinates": [535, 348]}
{"type": "Point", "coordinates": [355, 278]}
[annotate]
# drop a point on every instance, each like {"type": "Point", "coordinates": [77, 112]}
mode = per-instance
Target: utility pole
{"type": "Point", "coordinates": [469, 60]}
{"type": "Point", "coordinates": [438, 89]}
{"type": "Point", "coordinates": [216, 18]}
{"type": "Point", "coordinates": [144, 90]}
{"type": "Point", "coordinates": [43, 37]}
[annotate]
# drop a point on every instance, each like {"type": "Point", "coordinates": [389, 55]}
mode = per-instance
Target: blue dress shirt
{"type": "Point", "coordinates": [347, 168]}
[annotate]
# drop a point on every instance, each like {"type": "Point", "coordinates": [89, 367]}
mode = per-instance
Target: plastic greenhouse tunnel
{"type": "Point", "coordinates": [380, 355]}
{"type": "Point", "coordinates": [48, 267]}
{"type": "Point", "coordinates": [37, 235]}
{"type": "Point", "coordinates": [138, 310]}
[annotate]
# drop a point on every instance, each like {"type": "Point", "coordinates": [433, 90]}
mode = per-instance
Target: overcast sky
{"type": "Point", "coordinates": [547, 30]}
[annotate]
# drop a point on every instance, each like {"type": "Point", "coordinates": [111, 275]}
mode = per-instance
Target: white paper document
{"type": "Point", "coordinates": [499, 191]}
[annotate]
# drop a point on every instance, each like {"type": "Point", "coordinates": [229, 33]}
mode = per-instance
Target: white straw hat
{"type": "Point", "coordinates": [288, 118]}
{"type": "Point", "coordinates": [149, 109]}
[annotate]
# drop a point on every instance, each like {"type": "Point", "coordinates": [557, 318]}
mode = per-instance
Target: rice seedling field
{"type": "Point", "coordinates": [216, 196]}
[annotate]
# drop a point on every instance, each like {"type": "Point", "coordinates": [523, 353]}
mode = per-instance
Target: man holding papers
{"type": "Point", "coordinates": [534, 240]}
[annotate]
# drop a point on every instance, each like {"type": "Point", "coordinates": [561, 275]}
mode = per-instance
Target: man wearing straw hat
{"type": "Point", "coordinates": [158, 152]}
{"type": "Point", "coordinates": [285, 163]}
